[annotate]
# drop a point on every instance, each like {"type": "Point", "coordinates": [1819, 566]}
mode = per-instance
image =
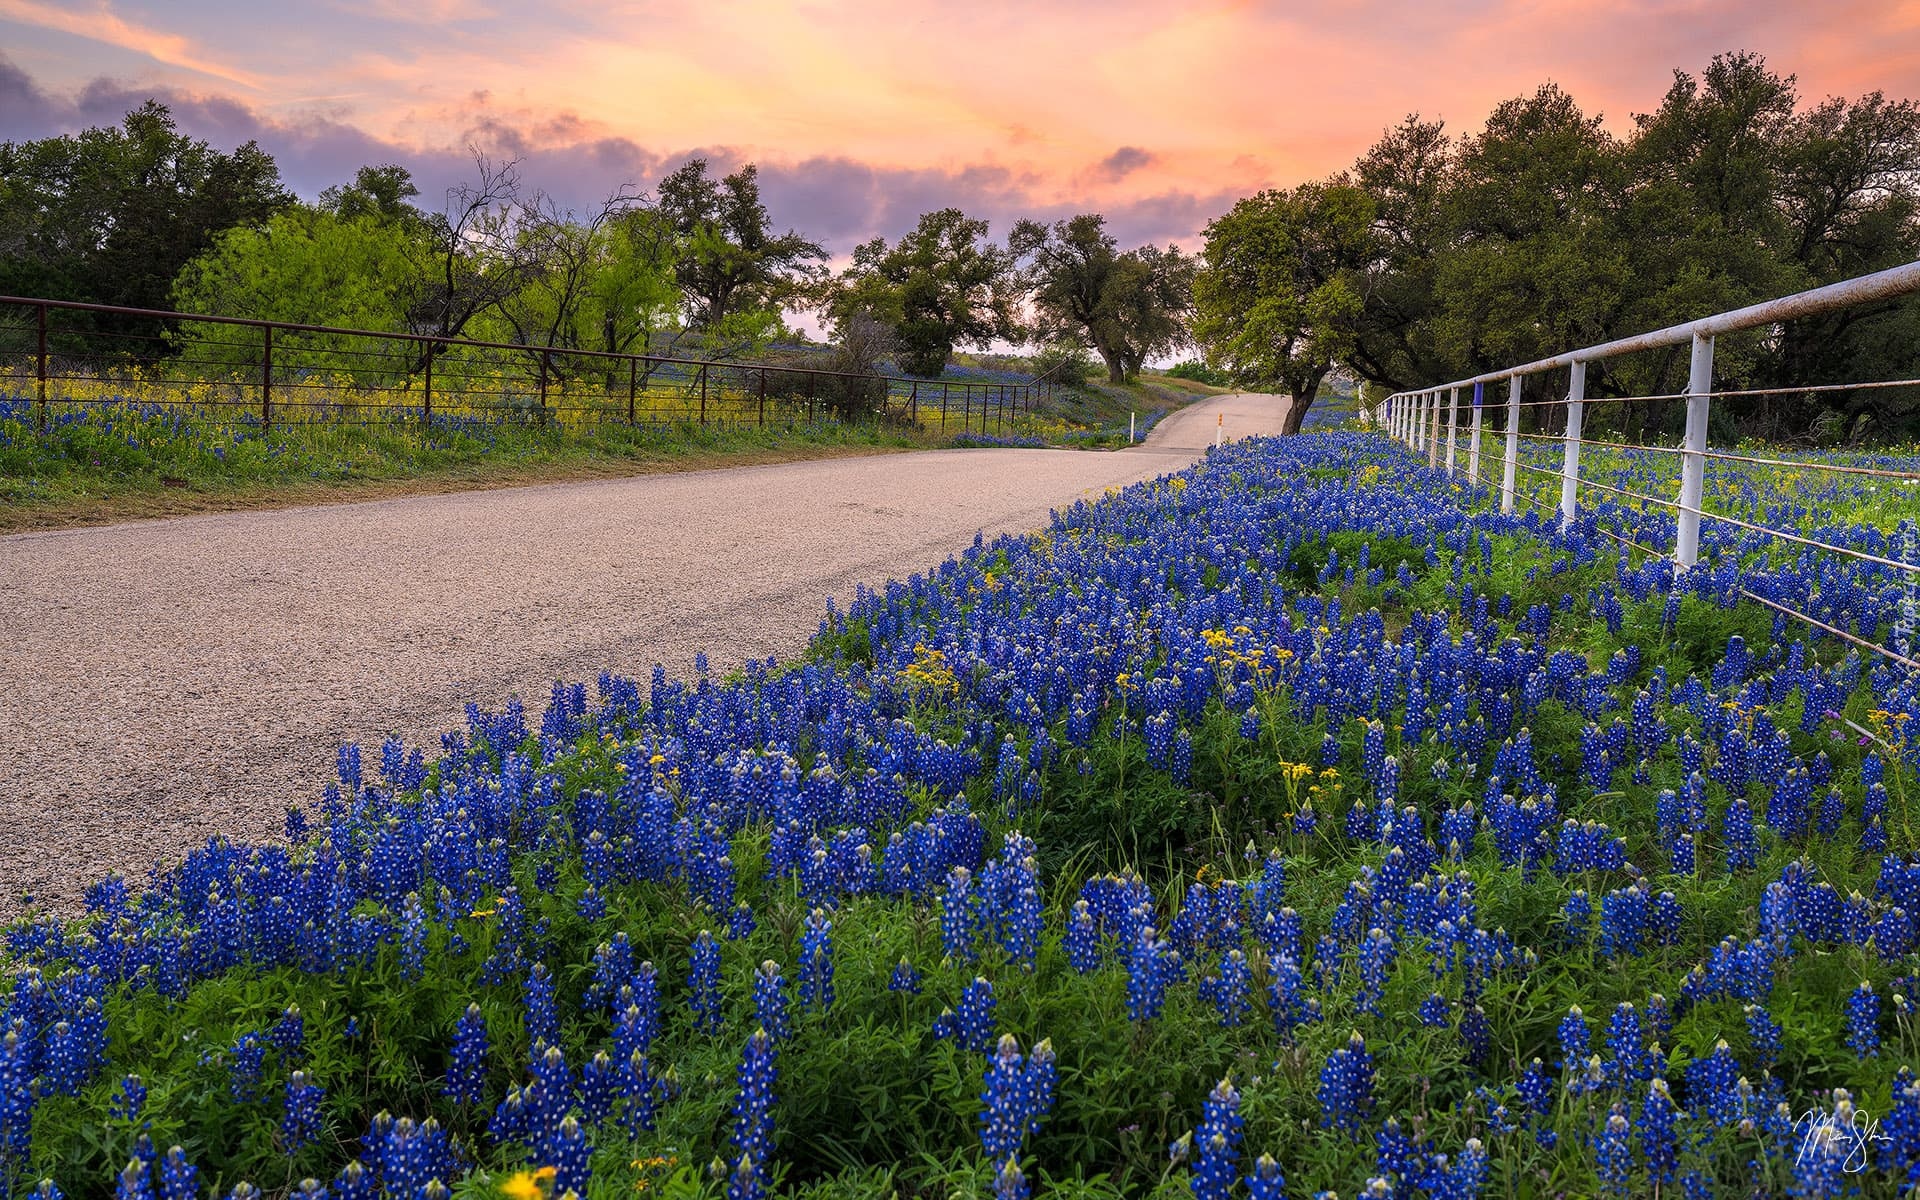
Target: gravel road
{"type": "Point", "coordinates": [164, 681]}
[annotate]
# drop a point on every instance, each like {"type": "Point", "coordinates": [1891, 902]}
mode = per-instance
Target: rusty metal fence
{"type": "Point", "coordinates": [65, 359]}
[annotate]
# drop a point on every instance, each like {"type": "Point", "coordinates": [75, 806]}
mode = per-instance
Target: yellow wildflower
{"type": "Point", "coordinates": [529, 1185]}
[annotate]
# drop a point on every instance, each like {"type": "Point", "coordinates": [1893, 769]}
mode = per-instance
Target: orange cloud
{"type": "Point", "coordinates": [101, 24]}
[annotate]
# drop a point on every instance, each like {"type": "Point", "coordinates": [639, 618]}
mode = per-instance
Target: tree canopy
{"type": "Point", "coordinates": [1128, 306]}
{"type": "Point", "coordinates": [111, 215]}
{"type": "Point", "coordinates": [1543, 233]}
{"type": "Point", "coordinates": [942, 286]}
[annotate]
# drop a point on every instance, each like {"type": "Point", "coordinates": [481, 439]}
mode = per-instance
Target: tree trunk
{"type": "Point", "coordinates": [1296, 412]}
{"type": "Point", "coordinates": [1116, 365]}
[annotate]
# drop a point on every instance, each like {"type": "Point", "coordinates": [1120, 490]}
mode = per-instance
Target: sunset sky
{"type": "Point", "coordinates": [862, 116]}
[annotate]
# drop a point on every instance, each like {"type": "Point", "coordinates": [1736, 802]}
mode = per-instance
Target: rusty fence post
{"type": "Point", "coordinates": [426, 403]}
{"type": "Point", "coordinates": [633, 387]}
{"type": "Point", "coordinates": [41, 367]}
{"type": "Point", "coordinates": [763, 397]}
{"type": "Point", "coordinates": [703, 393]}
{"type": "Point", "coordinates": [913, 404]}
{"type": "Point", "coordinates": [266, 380]}
{"type": "Point", "coordinates": [943, 406]}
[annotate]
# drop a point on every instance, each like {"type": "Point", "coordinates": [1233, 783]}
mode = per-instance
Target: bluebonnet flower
{"type": "Point", "coordinates": [1863, 1021]}
{"type": "Point", "coordinates": [301, 1121]}
{"type": "Point", "coordinates": [128, 1102]}
{"type": "Point", "coordinates": [1576, 1042]}
{"type": "Point", "coordinates": [179, 1179]}
{"type": "Point", "coordinates": [703, 983]}
{"type": "Point", "coordinates": [1435, 1010]}
{"type": "Point", "coordinates": [1082, 940]}
{"type": "Point", "coordinates": [1009, 1183]}
{"type": "Point", "coordinates": [571, 1158]}
{"type": "Point", "coordinates": [905, 979]}
{"type": "Point", "coordinates": [1683, 856]}
{"type": "Point", "coordinates": [1737, 831]}
{"type": "Point", "coordinates": [972, 1025]}
{"type": "Point", "coordinates": [753, 1117]}
{"type": "Point", "coordinates": [1016, 1096]}
{"type": "Point", "coordinates": [133, 1183]}
{"type": "Point", "coordinates": [1266, 1181]}
{"type": "Point", "coordinates": [599, 1088]}
{"type": "Point", "coordinates": [1764, 1036]}
{"type": "Point", "coordinates": [816, 963]}
{"type": "Point", "coordinates": [413, 938]}
{"type": "Point", "coordinates": [1577, 911]}
{"type": "Point", "coordinates": [1613, 1148]}
{"type": "Point", "coordinates": [1146, 986]}
{"type": "Point", "coordinates": [959, 916]}
{"type": "Point", "coordinates": [741, 923]}
{"type": "Point", "coordinates": [770, 1001]}
{"type": "Point", "coordinates": [542, 1018]}
{"type": "Point", "coordinates": [245, 1059]}
{"type": "Point", "coordinates": [1346, 1087]}
{"type": "Point", "coordinates": [1626, 1046]}
{"type": "Point", "coordinates": [1377, 953]}
{"type": "Point", "coordinates": [1215, 1162]}
{"type": "Point", "coordinates": [1659, 1137]}
{"type": "Point", "coordinates": [1229, 989]}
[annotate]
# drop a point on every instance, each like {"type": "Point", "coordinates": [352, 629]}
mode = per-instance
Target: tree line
{"type": "Point", "coordinates": [1437, 257]}
{"type": "Point", "coordinates": [141, 215]}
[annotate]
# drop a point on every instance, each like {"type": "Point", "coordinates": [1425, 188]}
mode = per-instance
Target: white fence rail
{"type": "Point", "coordinates": [1430, 420]}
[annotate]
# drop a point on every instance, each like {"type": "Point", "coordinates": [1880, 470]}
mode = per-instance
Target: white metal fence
{"type": "Point", "coordinates": [1431, 420]}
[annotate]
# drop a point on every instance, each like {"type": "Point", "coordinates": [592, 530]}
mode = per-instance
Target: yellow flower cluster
{"type": "Point", "coordinates": [928, 674]}
{"type": "Point", "coordinates": [528, 1185]}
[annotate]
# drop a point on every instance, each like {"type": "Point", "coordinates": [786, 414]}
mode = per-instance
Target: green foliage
{"type": "Point", "coordinates": [309, 267]}
{"type": "Point", "coordinates": [728, 260]}
{"type": "Point", "coordinates": [1279, 295]}
{"type": "Point", "coordinates": [942, 286]}
{"type": "Point", "coordinates": [1128, 306]}
{"type": "Point", "coordinates": [1543, 232]}
{"type": "Point", "coordinates": [110, 215]}
{"type": "Point", "coordinates": [1199, 372]}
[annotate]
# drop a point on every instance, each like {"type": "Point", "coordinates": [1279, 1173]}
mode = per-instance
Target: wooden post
{"type": "Point", "coordinates": [703, 393]}
{"type": "Point", "coordinates": [763, 397]}
{"type": "Point", "coordinates": [633, 387]}
{"type": "Point", "coordinates": [913, 404]}
{"type": "Point", "coordinates": [426, 395]}
{"type": "Point", "coordinates": [943, 406]}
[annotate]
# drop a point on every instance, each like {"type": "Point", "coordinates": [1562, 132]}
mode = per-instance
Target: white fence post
{"type": "Point", "coordinates": [1453, 428]}
{"type": "Point", "coordinates": [1570, 469]}
{"type": "Point", "coordinates": [1433, 434]}
{"type": "Point", "coordinates": [1686, 543]}
{"type": "Point", "coordinates": [1473, 443]}
{"type": "Point", "coordinates": [1513, 444]}
{"type": "Point", "coordinates": [1420, 428]}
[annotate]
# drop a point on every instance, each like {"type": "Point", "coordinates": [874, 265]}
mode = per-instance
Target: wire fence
{"type": "Point", "coordinates": [62, 361]}
{"type": "Point", "coordinates": [1841, 559]}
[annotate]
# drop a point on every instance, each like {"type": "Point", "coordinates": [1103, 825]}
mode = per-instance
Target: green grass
{"type": "Point", "coordinates": [122, 461]}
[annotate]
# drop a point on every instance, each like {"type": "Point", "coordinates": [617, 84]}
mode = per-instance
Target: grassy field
{"type": "Point", "coordinates": [125, 455]}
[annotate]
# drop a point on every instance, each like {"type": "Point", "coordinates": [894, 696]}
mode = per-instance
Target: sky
{"type": "Point", "coordinates": [863, 116]}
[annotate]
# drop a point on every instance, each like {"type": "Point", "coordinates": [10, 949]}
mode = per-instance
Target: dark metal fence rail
{"type": "Point", "coordinates": [1431, 420]}
{"type": "Point", "coordinates": [69, 358]}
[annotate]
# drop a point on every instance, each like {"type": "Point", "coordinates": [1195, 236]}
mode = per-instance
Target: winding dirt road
{"type": "Point", "coordinates": [164, 681]}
